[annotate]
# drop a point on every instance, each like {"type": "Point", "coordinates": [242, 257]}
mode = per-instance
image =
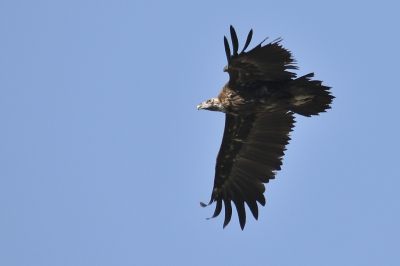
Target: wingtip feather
{"type": "Point", "coordinates": [227, 50]}
{"type": "Point", "coordinates": [248, 40]}
{"type": "Point", "coordinates": [228, 212]}
{"type": "Point", "coordinates": [241, 213]}
{"type": "Point", "coordinates": [235, 41]}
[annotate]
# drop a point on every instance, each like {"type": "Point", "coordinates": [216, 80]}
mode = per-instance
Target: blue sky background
{"type": "Point", "coordinates": [104, 158]}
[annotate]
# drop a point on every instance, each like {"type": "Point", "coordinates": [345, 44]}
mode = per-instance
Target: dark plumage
{"type": "Point", "coordinates": [259, 101]}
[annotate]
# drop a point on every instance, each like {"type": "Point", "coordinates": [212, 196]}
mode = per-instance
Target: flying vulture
{"type": "Point", "coordinates": [259, 102]}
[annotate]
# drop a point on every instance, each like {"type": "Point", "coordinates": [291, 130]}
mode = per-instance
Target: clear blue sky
{"type": "Point", "coordinates": [104, 158]}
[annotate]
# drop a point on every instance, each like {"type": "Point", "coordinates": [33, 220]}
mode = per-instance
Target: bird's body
{"type": "Point", "coordinates": [259, 102]}
{"type": "Point", "coordinates": [254, 99]}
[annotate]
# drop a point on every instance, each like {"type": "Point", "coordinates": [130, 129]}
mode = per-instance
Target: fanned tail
{"type": "Point", "coordinates": [310, 97]}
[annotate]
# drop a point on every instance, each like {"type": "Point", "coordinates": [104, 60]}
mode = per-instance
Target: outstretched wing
{"type": "Point", "coordinates": [251, 150]}
{"type": "Point", "coordinates": [263, 63]}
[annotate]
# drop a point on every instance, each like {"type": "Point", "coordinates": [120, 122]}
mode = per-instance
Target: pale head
{"type": "Point", "coordinates": [212, 104]}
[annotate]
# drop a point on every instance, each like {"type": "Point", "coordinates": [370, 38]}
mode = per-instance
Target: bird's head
{"type": "Point", "coordinates": [212, 105]}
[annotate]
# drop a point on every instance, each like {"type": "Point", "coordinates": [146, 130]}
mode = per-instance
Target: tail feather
{"type": "Point", "coordinates": [310, 97]}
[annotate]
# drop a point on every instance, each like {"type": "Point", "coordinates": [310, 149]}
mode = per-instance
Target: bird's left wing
{"type": "Point", "coordinates": [269, 62]}
{"type": "Point", "coordinates": [251, 151]}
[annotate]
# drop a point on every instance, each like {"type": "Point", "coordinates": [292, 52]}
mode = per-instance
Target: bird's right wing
{"type": "Point", "coordinates": [250, 153]}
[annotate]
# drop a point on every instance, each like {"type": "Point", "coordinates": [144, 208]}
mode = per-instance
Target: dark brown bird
{"type": "Point", "coordinates": [259, 102]}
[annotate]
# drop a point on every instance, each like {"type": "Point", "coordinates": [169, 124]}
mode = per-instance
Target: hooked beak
{"type": "Point", "coordinates": [203, 106]}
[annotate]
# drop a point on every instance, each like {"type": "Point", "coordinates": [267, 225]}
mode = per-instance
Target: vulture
{"type": "Point", "coordinates": [259, 102]}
